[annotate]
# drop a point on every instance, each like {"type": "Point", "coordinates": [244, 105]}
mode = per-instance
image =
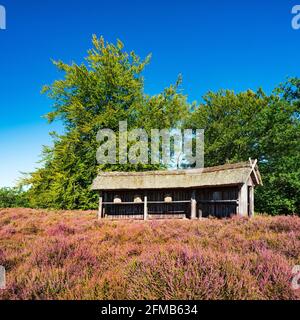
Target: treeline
{"type": "Point", "coordinates": [13, 198]}
{"type": "Point", "coordinates": [108, 87]}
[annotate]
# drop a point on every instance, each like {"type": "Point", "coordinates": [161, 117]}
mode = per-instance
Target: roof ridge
{"type": "Point", "coordinates": [227, 166]}
{"type": "Point", "coordinates": [225, 175]}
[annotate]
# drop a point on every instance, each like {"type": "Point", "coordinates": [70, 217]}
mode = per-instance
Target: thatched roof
{"type": "Point", "coordinates": [225, 175]}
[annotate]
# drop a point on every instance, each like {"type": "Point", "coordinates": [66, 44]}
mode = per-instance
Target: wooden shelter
{"type": "Point", "coordinates": [220, 191]}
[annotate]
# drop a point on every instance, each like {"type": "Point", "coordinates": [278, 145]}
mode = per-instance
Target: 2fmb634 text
{"type": "Point", "coordinates": [171, 309]}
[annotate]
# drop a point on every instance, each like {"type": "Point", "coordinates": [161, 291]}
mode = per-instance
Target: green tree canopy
{"type": "Point", "coordinates": [107, 88]}
{"type": "Point", "coordinates": [253, 124]}
{"type": "Point", "coordinates": [13, 198]}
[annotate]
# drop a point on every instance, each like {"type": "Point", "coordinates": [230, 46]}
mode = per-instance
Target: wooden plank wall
{"type": "Point", "coordinates": [219, 210]}
{"type": "Point", "coordinates": [172, 210]}
{"type": "Point", "coordinates": [155, 210]}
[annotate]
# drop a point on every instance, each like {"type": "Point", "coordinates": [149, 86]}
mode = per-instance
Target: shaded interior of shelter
{"type": "Point", "coordinates": [174, 203]}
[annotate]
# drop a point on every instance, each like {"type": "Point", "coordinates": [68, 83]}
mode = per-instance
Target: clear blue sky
{"type": "Point", "coordinates": [213, 44]}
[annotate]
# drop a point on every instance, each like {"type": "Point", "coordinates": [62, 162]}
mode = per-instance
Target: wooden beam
{"type": "Point", "coordinates": [140, 203]}
{"type": "Point", "coordinates": [193, 205]}
{"type": "Point", "coordinates": [100, 206]}
{"type": "Point", "coordinates": [253, 165]}
{"type": "Point", "coordinates": [200, 213]}
{"type": "Point", "coordinates": [243, 200]}
{"type": "Point", "coordinates": [103, 206]}
{"type": "Point", "coordinates": [251, 201]}
{"type": "Point", "coordinates": [219, 201]}
{"type": "Point", "coordinates": [145, 208]}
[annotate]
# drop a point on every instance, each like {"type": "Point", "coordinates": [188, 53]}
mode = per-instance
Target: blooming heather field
{"type": "Point", "coordinates": [70, 255]}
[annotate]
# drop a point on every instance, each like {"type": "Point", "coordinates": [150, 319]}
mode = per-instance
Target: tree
{"type": "Point", "coordinates": [108, 87]}
{"type": "Point", "coordinates": [94, 95]}
{"type": "Point", "coordinates": [13, 198]}
{"type": "Point", "coordinates": [248, 124]}
{"type": "Point", "coordinates": [281, 191]}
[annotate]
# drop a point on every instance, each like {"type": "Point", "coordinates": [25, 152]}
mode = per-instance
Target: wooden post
{"type": "Point", "coordinates": [200, 213]}
{"type": "Point", "coordinates": [193, 205]}
{"type": "Point", "coordinates": [251, 201]}
{"type": "Point", "coordinates": [103, 206]}
{"type": "Point", "coordinates": [145, 208]}
{"type": "Point", "coordinates": [100, 206]}
{"type": "Point", "coordinates": [243, 200]}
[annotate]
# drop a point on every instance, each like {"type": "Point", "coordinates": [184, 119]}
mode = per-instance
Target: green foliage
{"type": "Point", "coordinates": [248, 124]}
{"type": "Point", "coordinates": [13, 198]}
{"type": "Point", "coordinates": [109, 87]}
{"type": "Point", "coordinates": [97, 94]}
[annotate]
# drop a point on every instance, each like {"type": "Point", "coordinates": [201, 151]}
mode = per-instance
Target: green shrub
{"type": "Point", "coordinates": [13, 198]}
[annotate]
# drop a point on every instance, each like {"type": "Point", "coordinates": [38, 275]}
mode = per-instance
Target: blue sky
{"type": "Point", "coordinates": [214, 44]}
